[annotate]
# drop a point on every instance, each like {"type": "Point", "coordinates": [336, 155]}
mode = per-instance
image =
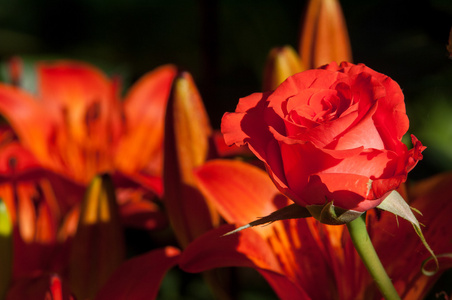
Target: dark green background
{"type": "Point", "coordinates": [224, 45]}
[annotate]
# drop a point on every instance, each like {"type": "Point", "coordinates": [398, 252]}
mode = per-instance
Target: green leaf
{"type": "Point", "coordinates": [333, 215]}
{"type": "Point", "coordinates": [395, 204]}
{"type": "Point", "coordinates": [293, 211]}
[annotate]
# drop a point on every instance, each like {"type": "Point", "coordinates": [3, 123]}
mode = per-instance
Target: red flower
{"type": "Point", "coordinates": [330, 134]}
{"type": "Point", "coordinates": [74, 127]}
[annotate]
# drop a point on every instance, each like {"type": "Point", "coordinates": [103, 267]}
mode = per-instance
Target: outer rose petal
{"type": "Point", "coordinates": [238, 127]}
{"type": "Point", "coordinates": [395, 122]}
{"type": "Point", "coordinates": [249, 126]}
{"type": "Point", "coordinates": [415, 154]}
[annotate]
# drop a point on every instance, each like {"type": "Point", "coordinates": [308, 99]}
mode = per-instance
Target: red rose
{"type": "Point", "coordinates": [331, 134]}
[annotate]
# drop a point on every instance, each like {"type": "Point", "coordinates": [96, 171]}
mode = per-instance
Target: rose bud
{"type": "Point", "coordinates": [329, 138]}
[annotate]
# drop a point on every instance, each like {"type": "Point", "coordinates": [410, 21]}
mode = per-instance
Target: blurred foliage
{"type": "Point", "coordinates": [224, 45]}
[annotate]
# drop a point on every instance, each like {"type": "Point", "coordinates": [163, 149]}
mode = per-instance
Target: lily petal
{"type": "Point", "coordinates": [144, 112]}
{"type": "Point", "coordinates": [244, 249]}
{"type": "Point", "coordinates": [98, 246]}
{"type": "Point", "coordinates": [240, 191]}
{"type": "Point", "coordinates": [214, 250]}
{"type": "Point", "coordinates": [187, 132]}
{"type": "Point", "coordinates": [432, 198]}
{"type": "Point", "coordinates": [42, 286]}
{"type": "Point", "coordinates": [139, 278]}
{"type": "Point", "coordinates": [25, 115]}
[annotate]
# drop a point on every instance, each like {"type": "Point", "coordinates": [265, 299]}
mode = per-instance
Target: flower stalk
{"type": "Point", "coordinates": [365, 249]}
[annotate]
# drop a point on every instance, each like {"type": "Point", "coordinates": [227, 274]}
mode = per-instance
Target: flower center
{"type": "Point", "coordinates": [312, 108]}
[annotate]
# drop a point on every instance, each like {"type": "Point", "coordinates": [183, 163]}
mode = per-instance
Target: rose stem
{"type": "Point", "coordinates": [366, 251]}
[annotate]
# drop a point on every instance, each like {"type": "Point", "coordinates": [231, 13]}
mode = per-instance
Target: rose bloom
{"type": "Point", "coordinates": [331, 134]}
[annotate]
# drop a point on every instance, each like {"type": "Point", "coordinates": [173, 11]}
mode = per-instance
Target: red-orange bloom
{"type": "Point", "coordinates": [72, 128]}
{"type": "Point", "coordinates": [304, 259]}
{"type": "Point", "coordinates": [333, 133]}
{"type": "Point", "coordinates": [76, 125]}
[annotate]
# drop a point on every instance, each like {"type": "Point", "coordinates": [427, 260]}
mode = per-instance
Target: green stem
{"type": "Point", "coordinates": [366, 251]}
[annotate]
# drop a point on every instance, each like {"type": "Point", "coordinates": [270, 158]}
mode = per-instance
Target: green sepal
{"type": "Point", "coordinates": [395, 204]}
{"type": "Point", "coordinates": [293, 211]}
{"type": "Point", "coordinates": [332, 215]}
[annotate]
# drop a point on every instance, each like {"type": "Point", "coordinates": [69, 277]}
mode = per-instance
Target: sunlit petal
{"type": "Point", "coordinates": [240, 191]}
{"type": "Point", "coordinates": [187, 132]}
{"type": "Point", "coordinates": [144, 112]}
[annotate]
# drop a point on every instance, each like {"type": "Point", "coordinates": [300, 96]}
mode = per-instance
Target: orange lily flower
{"type": "Point", "coordinates": [76, 127]}
{"type": "Point", "coordinates": [304, 259]}
{"type": "Point", "coordinates": [72, 129]}
{"type": "Point", "coordinates": [76, 124]}
{"type": "Point", "coordinates": [39, 204]}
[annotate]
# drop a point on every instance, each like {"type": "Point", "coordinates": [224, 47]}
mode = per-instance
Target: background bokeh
{"type": "Point", "coordinates": [224, 44]}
